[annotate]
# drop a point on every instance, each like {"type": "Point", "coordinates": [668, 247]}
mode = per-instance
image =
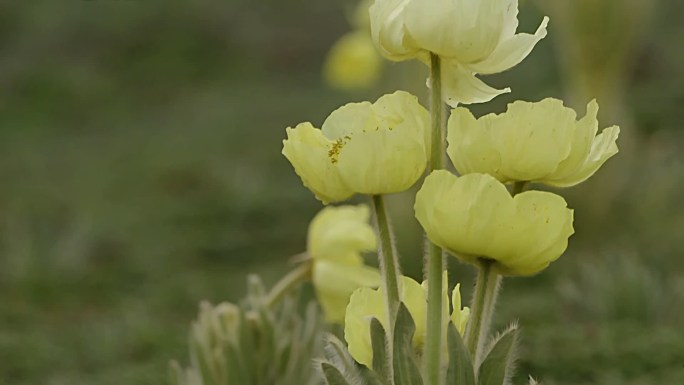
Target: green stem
{"type": "Point", "coordinates": [438, 136]}
{"type": "Point", "coordinates": [435, 259]}
{"type": "Point", "coordinates": [389, 263]}
{"type": "Point", "coordinates": [519, 187]}
{"type": "Point", "coordinates": [482, 308]}
{"type": "Point", "coordinates": [288, 282]}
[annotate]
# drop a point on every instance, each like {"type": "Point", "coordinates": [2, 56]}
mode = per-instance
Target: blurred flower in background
{"type": "Point", "coordinates": [353, 62]}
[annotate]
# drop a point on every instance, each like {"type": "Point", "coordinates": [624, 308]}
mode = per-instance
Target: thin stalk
{"type": "Point", "coordinates": [389, 263]}
{"type": "Point", "coordinates": [519, 187]}
{"type": "Point", "coordinates": [482, 308]}
{"type": "Point", "coordinates": [435, 255]}
{"type": "Point", "coordinates": [288, 283]}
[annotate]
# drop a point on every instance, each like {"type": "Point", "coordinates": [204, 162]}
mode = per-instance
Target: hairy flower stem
{"type": "Point", "coordinates": [435, 258]}
{"type": "Point", "coordinates": [389, 263]}
{"type": "Point", "coordinates": [288, 283]}
{"type": "Point", "coordinates": [482, 308]}
{"type": "Point", "coordinates": [484, 299]}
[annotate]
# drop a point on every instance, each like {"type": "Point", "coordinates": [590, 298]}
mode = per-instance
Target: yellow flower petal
{"type": "Point", "coordinates": [337, 237]}
{"type": "Point", "coordinates": [474, 216]}
{"type": "Point", "coordinates": [543, 225]}
{"type": "Point", "coordinates": [335, 282]}
{"type": "Point", "coordinates": [387, 29]}
{"type": "Point", "coordinates": [307, 150]}
{"type": "Point", "coordinates": [470, 147]}
{"type": "Point", "coordinates": [538, 142]}
{"type": "Point", "coordinates": [461, 86]}
{"type": "Point", "coordinates": [459, 316]}
{"type": "Point", "coordinates": [364, 148]}
{"type": "Point", "coordinates": [381, 146]}
{"type": "Point", "coordinates": [510, 52]}
{"type": "Point", "coordinates": [366, 304]}
{"type": "Point", "coordinates": [340, 234]}
{"type": "Point", "coordinates": [467, 31]}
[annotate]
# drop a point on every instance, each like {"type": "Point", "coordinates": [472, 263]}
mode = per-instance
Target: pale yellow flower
{"type": "Point", "coordinates": [470, 37]}
{"type": "Point", "coordinates": [535, 142]}
{"type": "Point", "coordinates": [366, 304]}
{"type": "Point", "coordinates": [353, 62]}
{"type": "Point", "coordinates": [474, 216]}
{"type": "Point", "coordinates": [377, 148]}
{"type": "Point", "coordinates": [337, 237]}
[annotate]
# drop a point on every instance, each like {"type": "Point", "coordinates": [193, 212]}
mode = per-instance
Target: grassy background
{"type": "Point", "coordinates": [141, 173]}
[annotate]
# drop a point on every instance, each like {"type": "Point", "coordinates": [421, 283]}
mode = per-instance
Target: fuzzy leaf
{"type": "Point", "coordinates": [332, 375]}
{"type": "Point", "coordinates": [372, 378]}
{"type": "Point", "coordinates": [337, 354]}
{"type": "Point", "coordinates": [497, 366]}
{"type": "Point", "coordinates": [461, 370]}
{"type": "Point", "coordinates": [379, 344]}
{"type": "Point", "coordinates": [406, 371]}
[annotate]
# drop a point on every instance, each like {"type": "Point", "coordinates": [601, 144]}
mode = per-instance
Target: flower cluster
{"type": "Point", "coordinates": [483, 216]}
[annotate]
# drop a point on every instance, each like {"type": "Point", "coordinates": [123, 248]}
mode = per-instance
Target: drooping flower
{"type": "Point", "coordinates": [367, 303]}
{"type": "Point", "coordinates": [353, 62]}
{"type": "Point", "coordinates": [377, 148]}
{"type": "Point", "coordinates": [469, 36]}
{"type": "Point", "coordinates": [474, 216]}
{"type": "Point", "coordinates": [337, 237]}
{"type": "Point", "coordinates": [534, 142]}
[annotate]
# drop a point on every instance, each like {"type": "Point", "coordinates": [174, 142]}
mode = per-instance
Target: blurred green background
{"type": "Point", "coordinates": [141, 173]}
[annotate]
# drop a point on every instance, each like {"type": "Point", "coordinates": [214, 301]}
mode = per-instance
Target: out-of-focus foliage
{"type": "Point", "coordinates": [141, 173]}
{"type": "Point", "coordinates": [255, 343]}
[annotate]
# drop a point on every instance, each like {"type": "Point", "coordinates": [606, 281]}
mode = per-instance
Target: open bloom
{"type": "Point", "coordinates": [367, 303]}
{"type": "Point", "coordinates": [365, 148]}
{"type": "Point", "coordinates": [536, 142]}
{"type": "Point", "coordinates": [469, 36]}
{"type": "Point", "coordinates": [337, 237]}
{"type": "Point", "coordinates": [474, 216]}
